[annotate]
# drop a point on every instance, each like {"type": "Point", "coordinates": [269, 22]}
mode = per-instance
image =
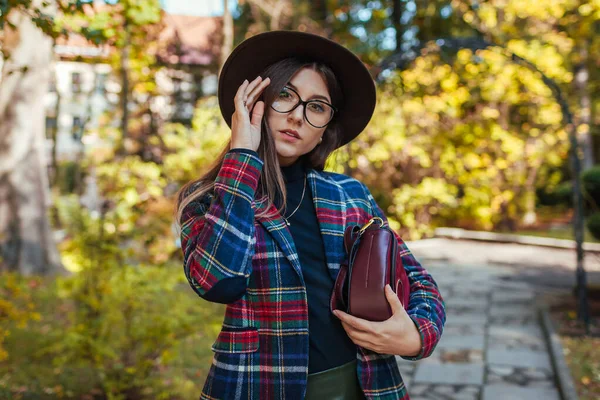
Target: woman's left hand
{"type": "Point", "coordinates": [397, 335]}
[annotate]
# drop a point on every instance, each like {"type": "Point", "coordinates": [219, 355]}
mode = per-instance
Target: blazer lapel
{"type": "Point", "coordinates": [277, 228]}
{"type": "Point", "coordinates": [330, 205]}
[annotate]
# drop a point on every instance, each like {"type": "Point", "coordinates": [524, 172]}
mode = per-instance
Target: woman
{"type": "Point", "coordinates": [262, 232]}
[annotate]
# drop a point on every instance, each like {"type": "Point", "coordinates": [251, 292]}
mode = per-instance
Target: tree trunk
{"type": "Point", "coordinates": [26, 239]}
{"type": "Point", "coordinates": [397, 12]}
{"type": "Point", "coordinates": [227, 45]}
{"type": "Point", "coordinates": [125, 89]}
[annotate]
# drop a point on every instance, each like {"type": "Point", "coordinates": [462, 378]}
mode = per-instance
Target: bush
{"type": "Point", "coordinates": [590, 180]}
{"type": "Point", "coordinates": [126, 321]}
{"type": "Point", "coordinates": [561, 194]}
{"type": "Point", "coordinates": [71, 175]}
{"type": "Point", "coordinates": [16, 305]}
{"type": "Point", "coordinates": [593, 224]}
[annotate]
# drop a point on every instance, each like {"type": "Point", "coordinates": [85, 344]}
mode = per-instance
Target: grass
{"type": "Point", "coordinates": [582, 351]}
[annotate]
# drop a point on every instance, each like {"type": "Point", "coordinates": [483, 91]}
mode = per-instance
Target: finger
{"type": "Point", "coordinates": [239, 96]}
{"type": "Point", "coordinates": [359, 335]}
{"type": "Point", "coordinates": [357, 323]}
{"type": "Point", "coordinates": [393, 299]}
{"type": "Point", "coordinates": [257, 113]}
{"type": "Point", "coordinates": [255, 94]}
{"type": "Point", "coordinates": [251, 87]}
{"type": "Point", "coordinates": [362, 341]}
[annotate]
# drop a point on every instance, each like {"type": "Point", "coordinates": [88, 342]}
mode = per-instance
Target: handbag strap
{"type": "Point", "coordinates": [350, 236]}
{"type": "Point", "coordinates": [353, 232]}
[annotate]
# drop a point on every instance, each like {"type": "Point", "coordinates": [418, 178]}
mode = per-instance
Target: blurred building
{"type": "Point", "coordinates": [83, 86]}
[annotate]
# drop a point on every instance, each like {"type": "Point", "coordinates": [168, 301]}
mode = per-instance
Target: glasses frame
{"type": "Point", "coordinates": [304, 103]}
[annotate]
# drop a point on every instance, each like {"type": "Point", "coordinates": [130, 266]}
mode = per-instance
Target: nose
{"type": "Point", "coordinates": [297, 114]}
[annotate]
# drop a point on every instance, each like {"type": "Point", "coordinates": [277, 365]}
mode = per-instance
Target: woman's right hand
{"type": "Point", "coordinates": [245, 128]}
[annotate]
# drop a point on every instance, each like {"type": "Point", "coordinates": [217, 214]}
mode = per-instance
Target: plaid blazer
{"type": "Point", "coordinates": [252, 265]}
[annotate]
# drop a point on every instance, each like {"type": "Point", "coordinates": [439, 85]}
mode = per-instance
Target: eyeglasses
{"type": "Point", "coordinates": [318, 113]}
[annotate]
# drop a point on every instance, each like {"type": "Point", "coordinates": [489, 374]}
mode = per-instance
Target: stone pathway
{"type": "Point", "coordinates": [493, 346]}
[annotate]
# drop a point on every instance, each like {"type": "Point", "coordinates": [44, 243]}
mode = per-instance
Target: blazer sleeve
{"type": "Point", "coordinates": [426, 307]}
{"type": "Point", "coordinates": [217, 231]}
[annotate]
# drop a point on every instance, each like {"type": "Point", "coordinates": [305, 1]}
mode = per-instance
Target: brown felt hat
{"type": "Point", "coordinates": [253, 55]}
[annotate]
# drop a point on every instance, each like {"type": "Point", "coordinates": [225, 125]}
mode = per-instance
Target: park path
{"type": "Point", "coordinates": [493, 346]}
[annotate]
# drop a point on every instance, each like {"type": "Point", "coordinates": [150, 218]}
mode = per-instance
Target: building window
{"type": "Point", "coordinates": [50, 127]}
{"type": "Point", "coordinates": [100, 87]}
{"type": "Point", "coordinates": [77, 128]}
{"type": "Point", "coordinates": [76, 82]}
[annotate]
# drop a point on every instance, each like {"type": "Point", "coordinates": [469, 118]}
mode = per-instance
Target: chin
{"type": "Point", "coordinates": [284, 150]}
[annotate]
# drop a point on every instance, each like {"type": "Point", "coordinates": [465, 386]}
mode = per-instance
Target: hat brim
{"type": "Point", "coordinates": [253, 55]}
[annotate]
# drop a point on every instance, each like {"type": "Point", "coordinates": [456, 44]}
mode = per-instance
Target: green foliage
{"type": "Point", "coordinates": [49, 357]}
{"type": "Point", "coordinates": [593, 224]}
{"type": "Point", "coordinates": [16, 305]}
{"type": "Point", "coordinates": [445, 152]}
{"type": "Point", "coordinates": [590, 180]}
{"type": "Point", "coordinates": [558, 195]}
{"type": "Point", "coordinates": [126, 321]}
{"type": "Point", "coordinates": [70, 176]}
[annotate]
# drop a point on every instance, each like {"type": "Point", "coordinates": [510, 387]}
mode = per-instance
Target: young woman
{"type": "Point", "coordinates": [262, 231]}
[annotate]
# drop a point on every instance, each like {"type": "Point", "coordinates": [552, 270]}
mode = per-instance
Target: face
{"type": "Point", "coordinates": [310, 86]}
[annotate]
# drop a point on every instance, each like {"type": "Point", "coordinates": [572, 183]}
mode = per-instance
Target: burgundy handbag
{"type": "Point", "coordinates": [373, 262]}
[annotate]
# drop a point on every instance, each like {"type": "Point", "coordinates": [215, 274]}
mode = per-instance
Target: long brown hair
{"type": "Point", "coordinates": [271, 184]}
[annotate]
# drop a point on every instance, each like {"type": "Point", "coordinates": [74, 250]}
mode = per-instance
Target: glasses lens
{"type": "Point", "coordinates": [285, 101]}
{"type": "Point", "coordinates": [318, 114]}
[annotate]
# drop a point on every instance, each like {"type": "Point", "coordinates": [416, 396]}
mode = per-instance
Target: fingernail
{"type": "Point", "coordinates": [245, 81]}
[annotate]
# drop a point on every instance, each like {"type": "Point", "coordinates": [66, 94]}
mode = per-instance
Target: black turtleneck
{"type": "Point", "coordinates": [329, 345]}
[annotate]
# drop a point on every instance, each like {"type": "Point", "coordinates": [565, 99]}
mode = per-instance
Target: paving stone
{"type": "Point", "coordinates": [476, 302]}
{"type": "Point", "coordinates": [460, 355]}
{"type": "Point", "coordinates": [466, 319]}
{"type": "Point", "coordinates": [519, 358]}
{"type": "Point", "coordinates": [473, 390]}
{"type": "Point", "coordinates": [515, 286]}
{"type": "Point", "coordinates": [512, 297]}
{"type": "Point", "coordinates": [457, 374]}
{"type": "Point", "coordinates": [460, 310]}
{"type": "Point", "coordinates": [464, 329]}
{"type": "Point", "coordinates": [407, 381]}
{"type": "Point", "coordinates": [445, 389]}
{"type": "Point", "coordinates": [418, 390]}
{"type": "Point", "coordinates": [515, 331]}
{"type": "Point", "coordinates": [543, 384]}
{"type": "Point", "coordinates": [501, 391]}
{"type": "Point", "coordinates": [465, 396]}
{"type": "Point", "coordinates": [501, 370]}
{"type": "Point", "coordinates": [530, 336]}
{"type": "Point", "coordinates": [461, 342]}
{"type": "Point", "coordinates": [513, 320]}
{"type": "Point", "coordinates": [508, 310]}
{"type": "Point", "coordinates": [537, 374]}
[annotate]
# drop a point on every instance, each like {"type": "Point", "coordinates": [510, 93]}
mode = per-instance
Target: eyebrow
{"type": "Point", "coordinates": [314, 96]}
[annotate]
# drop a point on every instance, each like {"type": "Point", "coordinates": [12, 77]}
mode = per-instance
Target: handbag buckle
{"type": "Point", "coordinates": [364, 228]}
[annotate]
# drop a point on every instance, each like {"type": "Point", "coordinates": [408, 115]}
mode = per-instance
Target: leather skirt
{"type": "Point", "coordinates": [339, 383]}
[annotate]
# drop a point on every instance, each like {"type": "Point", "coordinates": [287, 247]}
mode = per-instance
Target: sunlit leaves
{"type": "Point", "coordinates": [466, 138]}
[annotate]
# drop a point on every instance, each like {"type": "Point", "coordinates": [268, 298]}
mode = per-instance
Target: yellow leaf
{"type": "Point", "coordinates": [586, 380]}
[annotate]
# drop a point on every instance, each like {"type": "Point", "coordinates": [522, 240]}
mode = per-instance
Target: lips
{"type": "Point", "coordinates": [291, 133]}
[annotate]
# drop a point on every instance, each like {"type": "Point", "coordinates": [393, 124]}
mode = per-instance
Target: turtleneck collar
{"type": "Point", "coordinates": [295, 171]}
